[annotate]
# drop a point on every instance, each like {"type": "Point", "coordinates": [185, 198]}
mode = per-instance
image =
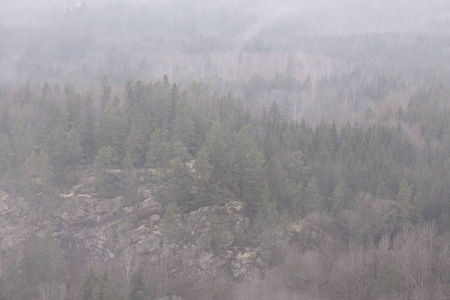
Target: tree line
{"type": "Point", "coordinates": [368, 186]}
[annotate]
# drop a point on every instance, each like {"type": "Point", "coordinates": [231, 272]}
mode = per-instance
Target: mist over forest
{"type": "Point", "coordinates": [227, 150]}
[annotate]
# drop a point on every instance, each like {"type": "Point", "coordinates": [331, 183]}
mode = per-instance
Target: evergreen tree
{"type": "Point", "coordinates": [138, 290]}
{"type": "Point", "coordinates": [267, 213]}
{"type": "Point", "coordinates": [203, 180]}
{"type": "Point", "coordinates": [254, 180]}
{"type": "Point", "coordinates": [32, 267]}
{"type": "Point", "coordinates": [179, 150]}
{"type": "Point", "coordinates": [169, 224]}
{"type": "Point", "coordinates": [183, 127]}
{"type": "Point", "coordinates": [217, 142]}
{"type": "Point", "coordinates": [90, 283]}
{"type": "Point", "coordinates": [9, 276]}
{"type": "Point", "coordinates": [64, 150]}
{"type": "Point", "coordinates": [128, 180]}
{"type": "Point", "coordinates": [281, 188]}
{"type": "Point", "coordinates": [340, 196]}
{"type": "Point", "coordinates": [5, 150]}
{"type": "Point", "coordinates": [180, 182]}
{"type": "Point", "coordinates": [243, 144]}
{"type": "Point", "coordinates": [298, 171]}
{"type": "Point", "coordinates": [158, 154]}
{"type": "Point", "coordinates": [312, 200]}
{"type": "Point", "coordinates": [403, 203]}
{"type": "Point", "coordinates": [111, 130]}
{"type": "Point", "coordinates": [105, 172]}
{"type": "Point", "coordinates": [136, 142]}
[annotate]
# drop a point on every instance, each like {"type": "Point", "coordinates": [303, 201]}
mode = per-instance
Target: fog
{"type": "Point", "coordinates": [83, 41]}
{"type": "Point", "coordinates": [228, 149]}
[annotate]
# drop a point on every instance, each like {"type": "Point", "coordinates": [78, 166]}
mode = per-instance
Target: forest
{"type": "Point", "coordinates": [325, 155]}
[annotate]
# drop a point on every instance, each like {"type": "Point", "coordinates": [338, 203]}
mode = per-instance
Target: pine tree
{"type": "Point", "coordinates": [253, 182]}
{"type": "Point", "coordinates": [111, 130]}
{"type": "Point", "coordinates": [267, 213]}
{"type": "Point", "coordinates": [138, 290]}
{"type": "Point", "coordinates": [64, 150]}
{"type": "Point", "coordinates": [179, 150]}
{"type": "Point", "coordinates": [170, 226]}
{"type": "Point", "coordinates": [30, 175]}
{"type": "Point", "coordinates": [5, 150]}
{"type": "Point", "coordinates": [158, 153]}
{"type": "Point", "coordinates": [298, 171]}
{"type": "Point", "coordinates": [404, 205]}
{"type": "Point", "coordinates": [105, 172]}
{"type": "Point", "coordinates": [312, 200]}
{"type": "Point", "coordinates": [243, 144]}
{"type": "Point", "coordinates": [266, 222]}
{"type": "Point", "coordinates": [217, 142]}
{"type": "Point", "coordinates": [136, 142]}
{"type": "Point", "coordinates": [202, 173]}
{"type": "Point", "coordinates": [338, 200]}
{"type": "Point", "coordinates": [128, 180]}
{"type": "Point", "coordinates": [281, 188]}
{"type": "Point", "coordinates": [183, 127]}
{"type": "Point", "coordinates": [89, 285]}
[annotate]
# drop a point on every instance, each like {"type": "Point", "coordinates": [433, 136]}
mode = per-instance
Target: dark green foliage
{"type": "Point", "coordinates": [64, 150]}
{"type": "Point", "coordinates": [281, 188]}
{"type": "Point", "coordinates": [370, 158]}
{"type": "Point", "coordinates": [266, 221]}
{"type": "Point", "coordinates": [209, 149]}
{"type": "Point", "coordinates": [138, 290]}
{"type": "Point", "coordinates": [311, 198]}
{"type": "Point", "coordinates": [111, 130]}
{"type": "Point", "coordinates": [403, 204]}
{"type": "Point", "coordinates": [99, 287]}
{"type": "Point", "coordinates": [90, 284]}
{"type": "Point", "coordinates": [42, 263]}
{"type": "Point", "coordinates": [136, 142]}
{"type": "Point", "coordinates": [127, 180]}
{"type": "Point", "coordinates": [254, 181]}
{"type": "Point", "coordinates": [158, 153]}
{"type": "Point", "coordinates": [106, 172]}
{"type": "Point", "coordinates": [170, 226]}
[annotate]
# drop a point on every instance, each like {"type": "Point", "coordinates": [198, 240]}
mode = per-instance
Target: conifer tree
{"type": "Point", "coordinates": [128, 180]}
{"type": "Point", "coordinates": [202, 173]}
{"type": "Point", "coordinates": [136, 142]}
{"type": "Point", "coordinates": [111, 130]}
{"type": "Point", "coordinates": [404, 205]}
{"type": "Point", "coordinates": [5, 150]}
{"type": "Point", "coordinates": [158, 153]}
{"type": "Point", "coordinates": [254, 180]}
{"type": "Point", "coordinates": [138, 290]}
{"type": "Point", "coordinates": [90, 283]}
{"type": "Point", "coordinates": [298, 171]}
{"type": "Point", "coordinates": [312, 200]}
{"type": "Point", "coordinates": [105, 166]}
{"type": "Point", "coordinates": [170, 226]}
{"type": "Point", "coordinates": [267, 213]}
{"type": "Point", "coordinates": [281, 188]}
{"type": "Point", "coordinates": [243, 144]}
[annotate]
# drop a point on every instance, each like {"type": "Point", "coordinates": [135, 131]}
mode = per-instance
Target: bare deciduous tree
{"type": "Point", "coordinates": [51, 291]}
{"type": "Point", "coordinates": [126, 268]}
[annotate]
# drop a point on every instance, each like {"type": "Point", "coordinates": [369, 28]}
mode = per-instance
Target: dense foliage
{"type": "Point", "coordinates": [365, 183]}
{"type": "Point", "coordinates": [329, 125]}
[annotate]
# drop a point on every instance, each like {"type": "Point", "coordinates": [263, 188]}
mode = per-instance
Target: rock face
{"type": "Point", "coordinates": [103, 228]}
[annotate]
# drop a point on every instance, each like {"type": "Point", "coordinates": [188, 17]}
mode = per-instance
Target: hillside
{"type": "Point", "coordinates": [191, 186]}
{"type": "Point", "coordinates": [292, 150]}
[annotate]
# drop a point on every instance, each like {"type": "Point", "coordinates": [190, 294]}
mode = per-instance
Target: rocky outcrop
{"type": "Point", "coordinates": [103, 228]}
